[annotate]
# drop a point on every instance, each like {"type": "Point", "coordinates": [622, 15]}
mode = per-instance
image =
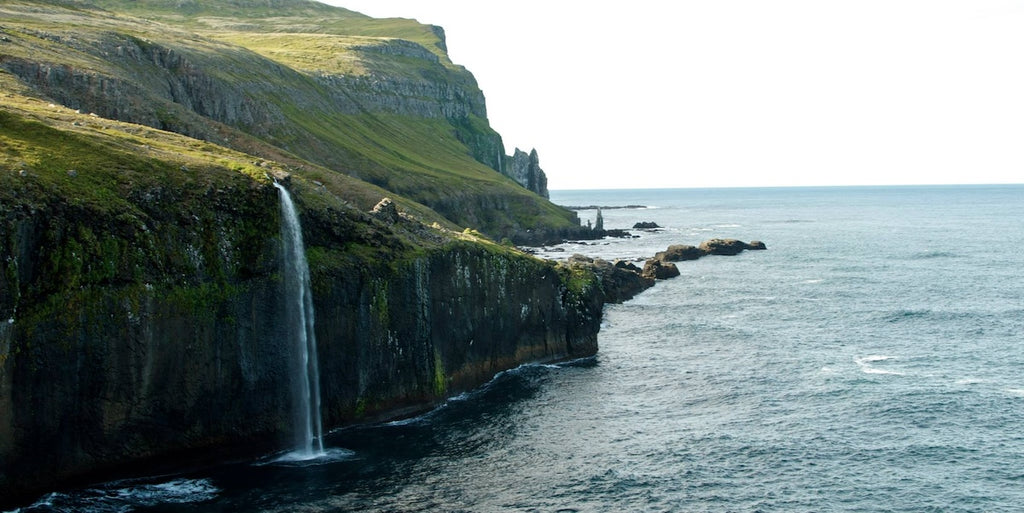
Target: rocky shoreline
{"type": "Point", "coordinates": [621, 280]}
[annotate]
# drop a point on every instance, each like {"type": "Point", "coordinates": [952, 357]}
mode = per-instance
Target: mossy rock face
{"type": "Point", "coordinates": [409, 332]}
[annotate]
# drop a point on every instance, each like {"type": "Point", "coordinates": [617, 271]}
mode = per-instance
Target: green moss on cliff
{"type": "Point", "coordinates": [440, 381]}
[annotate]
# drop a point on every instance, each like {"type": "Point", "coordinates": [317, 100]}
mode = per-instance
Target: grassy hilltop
{"type": "Point", "coordinates": [314, 89]}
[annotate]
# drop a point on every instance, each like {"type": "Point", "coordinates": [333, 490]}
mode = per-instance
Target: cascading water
{"type": "Point", "coordinates": [304, 368]}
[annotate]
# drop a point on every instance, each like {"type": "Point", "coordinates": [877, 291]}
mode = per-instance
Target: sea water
{"type": "Point", "coordinates": [872, 359]}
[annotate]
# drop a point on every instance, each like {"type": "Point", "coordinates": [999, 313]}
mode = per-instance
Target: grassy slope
{"type": "Point", "coordinates": [421, 159]}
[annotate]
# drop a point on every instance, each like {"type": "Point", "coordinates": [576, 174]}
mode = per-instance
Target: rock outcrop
{"type": "Point", "coordinates": [728, 246]}
{"type": "Point", "coordinates": [659, 269]}
{"type": "Point", "coordinates": [646, 225]}
{"type": "Point", "coordinates": [524, 169]}
{"type": "Point", "coordinates": [621, 280]}
{"type": "Point", "coordinates": [386, 210]}
{"type": "Point", "coordinates": [679, 253]}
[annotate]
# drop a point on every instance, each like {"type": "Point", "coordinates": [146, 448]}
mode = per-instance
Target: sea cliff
{"type": "Point", "coordinates": [161, 340]}
{"type": "Point", "coordinates": [141, 322]}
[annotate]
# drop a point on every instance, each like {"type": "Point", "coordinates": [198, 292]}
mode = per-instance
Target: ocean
{"type": "Point", "coordinates": [872, 359]}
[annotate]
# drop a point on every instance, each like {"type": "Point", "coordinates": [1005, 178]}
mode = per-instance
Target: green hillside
{"type": "Point", "coordinates": [309, 87]}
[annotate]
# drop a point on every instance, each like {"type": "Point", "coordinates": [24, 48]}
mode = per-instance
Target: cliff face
{"type": "Point", "coordinates": [174, 352]}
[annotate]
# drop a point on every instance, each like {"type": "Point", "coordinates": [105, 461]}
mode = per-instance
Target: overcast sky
{"type": "Point", "coordinates": [745, 92]}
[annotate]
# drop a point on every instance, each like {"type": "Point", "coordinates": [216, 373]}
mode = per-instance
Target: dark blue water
{"type": "Point", "coordinates": [871, 360]}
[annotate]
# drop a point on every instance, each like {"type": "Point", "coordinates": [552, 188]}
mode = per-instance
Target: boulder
{"type": "Point", "coordinates": [626, 265]}
{"type": "Point", "coordinates": [645, 225]}
{"type": "Point", "coordinates": [678, 253]}
{"type": "Point", "coordinates": [723, 247]}
{"type": "Point", "coordinates": [577, 258]}
{"type": "Point", "coordinates": [386, 210]}
{"type": "Point", "coordinates": [756, 245]}
{"type": "Point", "coordinates": [657, 269]}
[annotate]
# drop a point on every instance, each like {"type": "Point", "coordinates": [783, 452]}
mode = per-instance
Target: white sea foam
{"type": "Point", "coordinates": [306, 459]}
{"type": "Point", "coordinates": [871, 370]}
{"type": "Point", "coordinates": [177, 491]}
{"type": "Point", "coordinates": [812, 281]}
{"type": "Point", "coordinates": [118, 497]}
{"type": "Point", "coordinates": [1016, 391]}
{"type": "Point", "coordinates": [865, 365]}
{"type": "Point", "coordinates": [970, 381]}
{"type": "Point", "coordinates": [874, 358]}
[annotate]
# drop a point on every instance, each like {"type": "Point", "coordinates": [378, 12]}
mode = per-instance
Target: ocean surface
{"type": "Point", "coordinates": [872, 359]}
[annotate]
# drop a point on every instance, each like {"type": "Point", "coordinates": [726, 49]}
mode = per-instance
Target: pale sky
{"type": "Point", "coordinates": [714, 93]}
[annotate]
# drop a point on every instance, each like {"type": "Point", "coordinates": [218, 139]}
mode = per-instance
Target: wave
{"type": "Point", "coordinates": [1016, 391]}
{"type": "Point", "coordinates": [971, 381]}
{"type": "Point", "coordinates": [865, 365]}
{"type": "Point", "coordinates": [896, 316]}
{"type": "Point", "coordinates": [116, 497]}
{"type": "Point", "coordinates": [874, 358]}
{"type": "Point", "coordinates": [787, 221]}
{"type": "Point", "coordinates": [900, 315]}
{"type": "Point", "coordinates": [304, 459]}
{"type": "Point", "coordinates": [928, 255]}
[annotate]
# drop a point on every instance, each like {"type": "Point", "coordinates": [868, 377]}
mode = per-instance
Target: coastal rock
{"type": "Point", "coordinates": [620, 280]}
{"type": "Point", "coordinates": [646, 225]}
{"type": "Point", "coordinates": [679, 253]}
{"type": "Point", "coordinates": [723, 247]}
{"type": "Point", "coordinates": [524, 169]}
{"type": "Point", "coordinates": [657, 269]}
{"type": "Point", "coordinates": [756, 245]}
{"type": "Point", "coordinates": [627, 266]}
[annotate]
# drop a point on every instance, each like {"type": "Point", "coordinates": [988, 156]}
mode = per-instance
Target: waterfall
{"type": "Point", "coordinates": [305, 373]}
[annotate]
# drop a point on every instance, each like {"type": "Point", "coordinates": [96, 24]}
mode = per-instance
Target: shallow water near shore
{"type": "Point", "coordinates": [870, 360]}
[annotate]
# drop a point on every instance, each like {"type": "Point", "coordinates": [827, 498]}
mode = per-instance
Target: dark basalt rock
{"type": "Point", "coordinates": [620, 281]}
{"type": "Point", "coordinates": [646, 225]}
{"type": "Point", "coordinates": [656, 269]}
{"type": "Point", "coordinates": [679, 252]}
{"type": "Point", "coordinates": [723, 247]}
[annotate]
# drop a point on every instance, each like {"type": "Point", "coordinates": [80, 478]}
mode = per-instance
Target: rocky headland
{"type": "Point", "coordinates": [621, 280]}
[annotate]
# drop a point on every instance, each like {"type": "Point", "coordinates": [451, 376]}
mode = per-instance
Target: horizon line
{"type": "Point", "coordinates": [830, 186]}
